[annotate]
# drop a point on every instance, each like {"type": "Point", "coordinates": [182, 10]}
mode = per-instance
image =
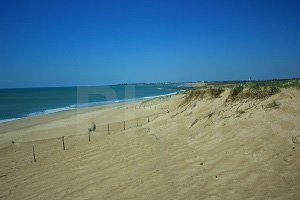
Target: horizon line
{"type": "Point", "coordinates": [164, 82]}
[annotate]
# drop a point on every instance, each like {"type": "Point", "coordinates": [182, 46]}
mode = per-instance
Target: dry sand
{"type": "Point", "coordinates": [207, 149]}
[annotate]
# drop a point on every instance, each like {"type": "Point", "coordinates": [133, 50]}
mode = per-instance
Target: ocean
{"type": "Point", "coordinates": [26, 102]}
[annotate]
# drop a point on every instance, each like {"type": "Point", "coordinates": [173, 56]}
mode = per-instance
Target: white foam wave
{"type": "Point", "coordinates": [58, 109]}
{"type": "Point", "coordinates": [54, 110]}
{"type": "Point", "coordinates": [8, 120]}
{"type": "Point", "coordinates": [163, 95]}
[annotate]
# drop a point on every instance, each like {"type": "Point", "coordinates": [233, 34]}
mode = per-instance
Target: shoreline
{"type": "Point", "coordinates": [89, 105]}
{"type": "Point", "coordinates": [76, 121]}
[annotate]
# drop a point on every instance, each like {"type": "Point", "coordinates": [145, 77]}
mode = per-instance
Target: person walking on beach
{"type": "Point", "coordinates": [94, 126]}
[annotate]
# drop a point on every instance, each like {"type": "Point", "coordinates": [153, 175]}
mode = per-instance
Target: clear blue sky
{"type": "Point", "coordinates": [63, 43]}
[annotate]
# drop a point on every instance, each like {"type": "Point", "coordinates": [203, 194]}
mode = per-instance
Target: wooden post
{"type": "Point", "coordinates": [63, 141]}
{"type": "Point", "coordinates": [124, 125]}
{"type": "Point", "coordinates": [34, 159]}
{"type": "Point", "coordinates": [108, 129]}
{"type": "Point", "coordinates": [89, 136]}
{"type": "Point", "coordinates": [148, 120]}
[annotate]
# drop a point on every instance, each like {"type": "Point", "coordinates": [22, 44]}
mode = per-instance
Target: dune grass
{"type": "Point", "coordinates": [236, 91]}
{"type": "Point", "coordinates": [241, 89]}
{"type": "Point", "coordinates": [254, 91]}
{"type": "Point", "coordinates": [215, 92]}
{"type": "Point", "coordinates": [200, 93]}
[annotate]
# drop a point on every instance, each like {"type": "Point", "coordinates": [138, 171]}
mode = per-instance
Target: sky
{"type": "Point", "coordinates": [69, 43]}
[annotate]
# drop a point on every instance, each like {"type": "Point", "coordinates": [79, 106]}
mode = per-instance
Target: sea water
{"type": "Point", "coordinates": [26, 102]}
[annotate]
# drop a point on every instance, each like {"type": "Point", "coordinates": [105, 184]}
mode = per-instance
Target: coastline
{"type": "Point", "coordinates": [87, 105]}
{"type": "Point", "coordinates": [24, 129]}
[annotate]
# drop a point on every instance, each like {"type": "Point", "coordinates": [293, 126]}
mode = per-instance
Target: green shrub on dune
{"type": "Point", "coordinates": [236, 91]}
{"type": "Point", "coordinates": [215, 92]}
{"type": "Point", "coordinates": [241, 90]}
{"type": "Point", "coordinates": [262, 90]}
{"type": "Point", "coordinates": [200, 93]}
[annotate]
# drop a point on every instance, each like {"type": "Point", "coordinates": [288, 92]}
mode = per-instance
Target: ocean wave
{"type": "Point", "coordinates": [34, 114]}
{"type": "Point", "coordinates": [8, 120]}
{"type": "Point", "coordinates": [54, 110]}
{"type": "Point", "coordinates": [72, 107]}
{"type": "Point", "coordinates": [163, 95]}
{"type": "Point", "coordinates": [165, 89]}
{"type": "Point", "coordinates": [60, 109]}
{"type": "Point", "coordinates": [90, 104]}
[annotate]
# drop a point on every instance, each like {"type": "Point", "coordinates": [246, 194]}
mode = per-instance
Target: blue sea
{"type": "Point", "coordinates": [26, 102]}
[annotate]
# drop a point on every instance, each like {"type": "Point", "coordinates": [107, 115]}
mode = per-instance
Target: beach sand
{"type": "Point", "coordinates": [206, 149]}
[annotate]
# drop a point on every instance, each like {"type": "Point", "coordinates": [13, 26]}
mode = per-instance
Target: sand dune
{"type": "Point", "coordinates": [205, 149]}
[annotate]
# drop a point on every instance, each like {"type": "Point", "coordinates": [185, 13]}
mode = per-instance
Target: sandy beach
{"type": "Point", "coordinates": [208, 148]}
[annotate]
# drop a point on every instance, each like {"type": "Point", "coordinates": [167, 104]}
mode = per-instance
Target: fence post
{"type": "Point", "coordinates": [148, 120]}
{"type": "Point", "coordinates": [63, 141]}
{"type": "Point", "coordinates": [34, 159]}
{"type": "Point", "coordinates": [89, 136]}
{"type": "Point", "coordinates": [108, 129]}
{"type": "Point", "coordinates": [124, 125]}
